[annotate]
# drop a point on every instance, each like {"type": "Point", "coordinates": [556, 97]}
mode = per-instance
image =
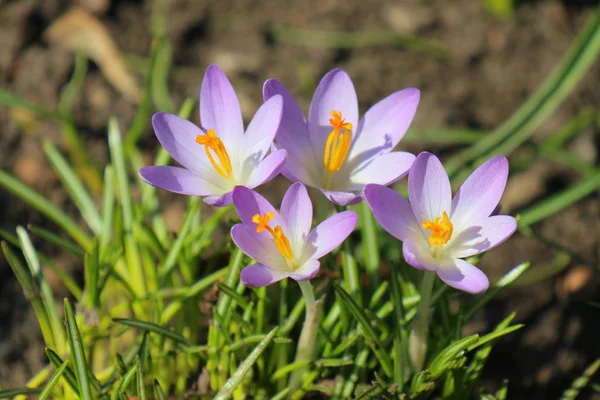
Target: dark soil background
{"type": "Point", "coordinates": [492, 66]}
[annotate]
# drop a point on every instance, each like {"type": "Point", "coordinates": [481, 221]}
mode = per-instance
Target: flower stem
{"type": "Point", "coordinates": [419, 334]}
{"type": "Point", "coordinates": [306, 344]}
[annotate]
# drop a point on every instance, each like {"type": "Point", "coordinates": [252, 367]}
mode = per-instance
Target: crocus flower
{"type": "Point", "coordinates": [283, 242]}
{"type": "Point", "coordinates": [335, 152]}
{"type": "Point", "coordinates": [219, 156]}
{"type": "Point", "coordinates": [438, 231]}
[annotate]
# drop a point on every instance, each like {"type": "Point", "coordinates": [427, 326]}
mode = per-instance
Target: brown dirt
{"type": "Point", "coordinates": [494, 65]}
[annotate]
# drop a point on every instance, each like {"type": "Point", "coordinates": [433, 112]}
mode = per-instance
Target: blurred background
{"type": "Point", "coordinates": [475, 62]}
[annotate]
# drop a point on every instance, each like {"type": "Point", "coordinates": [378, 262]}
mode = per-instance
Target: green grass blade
{"type": "Point", "coordinates": [581, 55]}
{"type": "Point", "coordinates": [578, 384]}
{"type": "Point", "coordinates": [10, 393]}
{"type": "Point", "coordinates": [79, 194]}
{"type": "Point", "coordinates": [371, 337]}
{"type": "Point", "coordinates": [108, 205]}
{"type": "Point", "coordinates": [158, 392]}
{"type": "Point", "coordinates": [45, 291]}
{"type": "Point", "coordinates": [14, 101]}
{"type": "Point", "coordinates": [141, 387]}
{"type": "Point", "coordinates": [370, 245]}
{"type": "Point", "coordinates": [31, 292]}
{"type": "Point", "coordinates": [43, 205]}
{"type": "Point", "coordinates": [53, 381]}
{"type": "Point", "coordinates": [56, 240]}
{"type": "Point", "coordinates": [227, 390]}
{"type": "Point", "coordinates": [78, 354]}
{"type": "Point", "coordinates": [69, 373]}
{"type": "Point", "coordinates": [150, 327]}
{"type": "Point", "coordinates": [116, 394]}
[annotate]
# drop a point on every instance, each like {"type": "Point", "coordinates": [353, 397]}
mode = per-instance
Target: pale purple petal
{"type": "Point", "coordinates": [293, 135]}
{"type": "Point", "coordinates": [261, 131]}
{"type": "Point", "coordinates": [330, 233]}
{"type": "Point", "coordinates": [259, 246]}
{"type": "Point", "coordinates": [429, 189]}
{"type": "Point", "coordinates": [334, 93]}
{"type": "Point", "coordinates": [392, 211]}
{"type": "Point", "coordinates": [268, 168]}
{"type": "Point", "coordinates": [384, 124]}
{"type": "Point", "coordinates": [415, 256]}
{"type": "Point", "coordinates": [464, 276]}
{"type": "Point", "coordinates": [257, 275]}
{"type": "Point", "coordinates": [249, 203]}
{"type": "Point", "coordinates": [297, 211]}
{"type": "Point", "coordinates": [220, 108]}
{"type": "Point", "coordinates": [307, 271]}
{"type": "Point", "coordinates": [481, 237]}
{"type": "Point", "coordinates": [178, 137]}
{"type": "Point", "coordinates": [384, 169]}
{"type": "Point", "coordinates": [178, 180]}
{"type": "Point", "coordinates": [219, 201]}
{"type": "Point", "coordinates": [480, 193]}
{"type": "Point", "coordinates": [342, 198]}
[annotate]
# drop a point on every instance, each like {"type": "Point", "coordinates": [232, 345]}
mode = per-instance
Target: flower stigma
{"type": "Point", "coordinates": [338, 142]}
{"type": "Point", "coordinates": [212, 144]}
{"type": "Point", "coordinates": [441, 230]}
{"type": "Point", "coordinates": [281, 241]}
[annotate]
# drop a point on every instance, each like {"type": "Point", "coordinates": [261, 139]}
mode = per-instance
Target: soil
{"type": "Point", "coordinates": [492, 65]}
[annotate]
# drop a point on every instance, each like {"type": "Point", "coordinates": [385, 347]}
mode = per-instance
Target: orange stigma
{"type": "Point", "coordinates": [281, 241]}
{"type": "Point", "coordinates": [212, 144]}
{"type": "Point", "coordinates": [441, 230]}
{"type": "Point", "coordinates": [338, 142]}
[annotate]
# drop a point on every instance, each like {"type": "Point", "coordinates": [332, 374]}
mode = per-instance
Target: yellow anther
{"type": "Point", "coordinates": [338, 142]}
{"type": "Point", "coordinates": [212, 144]}
{"type": "Point", "coordinates": [281, 241]}
{"type": "Point", "coordinates": [441, 230]}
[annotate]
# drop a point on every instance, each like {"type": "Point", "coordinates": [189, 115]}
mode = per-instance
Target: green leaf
{"type": "Point", "coordinates": [150, 327]}
{"type": "Point", "coordinates": [68, 373]}
{"type": "Point", "coordinates": [53, 381]}
{"type": "Point", "coordinates": [43, 205]}
{"type": "Point", "coordinates": [371, 337]}
{"type": "Point", "coordinates": [158, 392]}
{"type": "Point", "coordinates": [78, 354]}
{"type": "Point", "coordinates": [227, 390]}
{"type": "Point", "coordinates": [578, 384]}
{"type": "Point", "coordinates": [56, 240]}
{"type": "Point", "coordinates": [124, 382]}
{"type": "Point", "coordinates": [14, 101]}
{"type": "Point", "coordinates": [79, 194]}
{"type": "Point", "coordinates": [141, 388]}
{"type": "Point", "coordinates": [10, 393]}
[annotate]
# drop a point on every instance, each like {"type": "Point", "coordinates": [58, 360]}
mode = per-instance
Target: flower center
{"type": "Point", "coordinates": [338, 142]}
{"type": "Point", "coordinates": [281, 241]}
{"type": "Point", "coordinates": [441, 230]}
{"type": "Point", "coordinates": [214, 146]}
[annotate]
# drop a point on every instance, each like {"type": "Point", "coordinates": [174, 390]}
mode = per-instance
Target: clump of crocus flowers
{"type": "Point", "coordinates": [344, 157]}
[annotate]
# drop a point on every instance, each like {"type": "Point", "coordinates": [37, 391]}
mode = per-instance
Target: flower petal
{"type": "Point", "coordinates": [429, 189]}
{"type": "Point", "coordinates": [248, 203]}
{"type": "Point", "coordinates": [480, 193]}
{"type": "Point", "coordinates": [268, 168]}
{"type": "Point", "coordinates": [259, 246]}
{"type": "Point", "coordinates": [342, 199]}
{"type": "Point", "coordinates": [220, 108]}
{"type": "Point", "coordinates": [392, 211]}
{"type": "Point", "coordinates": [308, 270]}
{"type": "Point", "coordinates": [178, 137]}
{"type": "Point", "coordinates": [261, 131]}
{"type": "Point", "coordinates": [384, 169]}
{"type": "Point", "coordinates": [483, 236]}
{"type": "Point", "coordinates": [293, 133]}
{"type": "Point", "coordinates": [330, 233]}
{"type": "Point", "coordinates": [464, 276]}
{"type": "Point", "coordinates": [384, 124]}
{"type": "Point", "coordinates": [334, 93]}
{"type": "Point", "coordinates": [219, 201]}
{"type": "Point", "coordinates": [297, 211]}
{"type": "Point", "coordinates": [416, 255]}
{"type": "Point", "coordinates": [178, 180]}
{"type": "Point", "coordinates": [257, 275]}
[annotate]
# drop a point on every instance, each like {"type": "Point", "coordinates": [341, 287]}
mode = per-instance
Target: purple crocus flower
{"type": "Point", "coordinates": [219, 156]}
{"type": "Point", "coordinates": [282, 242]}
{"type": "Point", "coordinates": [438, 231]}
{"type": "Point", "coordinates": [335, 152]}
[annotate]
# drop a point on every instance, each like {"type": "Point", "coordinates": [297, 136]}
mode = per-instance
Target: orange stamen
{"type": "Point", "coordinates": [441, 230]}
{"type": "Point", "coordinates": [338, 142]}
{"type": "Point", "coordinates": [212, 144]}
{"type": "Point", "coordinates": [281, 241]}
